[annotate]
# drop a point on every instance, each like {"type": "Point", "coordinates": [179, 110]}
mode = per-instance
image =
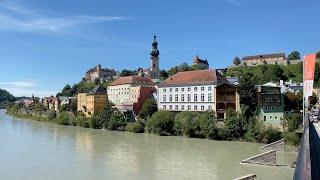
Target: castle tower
{"type": "Point", "coordinates": [154, 69]}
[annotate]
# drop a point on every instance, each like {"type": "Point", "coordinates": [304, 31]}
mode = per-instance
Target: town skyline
{"type": "Point", "coordinates": [57, 47]}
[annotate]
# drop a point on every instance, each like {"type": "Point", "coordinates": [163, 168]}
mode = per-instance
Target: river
{"type": "Point", "coordinates": [40, 150]}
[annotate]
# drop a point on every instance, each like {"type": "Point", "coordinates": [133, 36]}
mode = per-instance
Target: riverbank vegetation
{"type": "Point", "coordinates": [237, 126]}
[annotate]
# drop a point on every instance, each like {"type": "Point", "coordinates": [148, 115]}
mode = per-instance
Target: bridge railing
{"type": "Point", "coordinates": [303, 166]}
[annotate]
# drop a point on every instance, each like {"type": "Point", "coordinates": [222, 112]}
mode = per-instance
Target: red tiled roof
{"type": "Point", "coordinates": [208, 76]}
{"type": "Point", "coordinates": [132, 80]}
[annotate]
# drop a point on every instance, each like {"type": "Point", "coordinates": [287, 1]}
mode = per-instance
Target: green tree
{"type": "Point", "coordinates": [126, 72]}
{"type": "Point", "coordinates": [236, 61]}
{"type": "Point", "coordinates": [148, 108]}
{"type": "Point", "coordinates": [161, 122]}
{"type": "Point", "coordinates": [313, 99]}
{"type": "Point", "coordinates": [117, 121]}
{"type": "Point", "coordinates": [5, 97]}
{"type": "Point", "coordinates": [248, 91]}
{"type": "Point", "coordinates": [164, 74]}
{"type": "Point", "coordinates": [232, 124]}
{"type": "Point", "coordinates": [294, 55]}
{"type": "Point", "coordinates": [186, 124]}
{"type": "Point", "coordinates": [253, 131]}
{"type": "Point", "coordinates": [207, 122]}
{"type": "Point", "coordinates": [102, 119]}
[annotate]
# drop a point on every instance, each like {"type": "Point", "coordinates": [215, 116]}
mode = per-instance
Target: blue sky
{"type": "Point", "coordinates": [46, 44]}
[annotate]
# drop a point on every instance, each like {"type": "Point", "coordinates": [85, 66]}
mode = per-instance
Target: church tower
{"type": "Point", "coordinates": [154, 69]}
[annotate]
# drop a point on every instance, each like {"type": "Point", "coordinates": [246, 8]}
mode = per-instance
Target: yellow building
{"type": "Point", "coordinates": [92, 102]}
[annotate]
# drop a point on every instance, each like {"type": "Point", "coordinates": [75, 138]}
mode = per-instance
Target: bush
{"type": "Point", "coordinates": [292, 121]}
{"type": "Point", "coordinates": [136, 127]}
{"type": "Point", "coordinates": [63, 119]}
{"type": "Point", "coordinates": [207, 123]}
{"type": "Point", "coordinates": [270, 135]}
{"type": "Point", "coordinates": [82, 121]}
{"type": "Point", "coordinates": [161, 123]}
{"type": "Point", "coordinates": [117, 122]}
{"type": "Point", "coordinates": [222, 134]}
{"type": "Point", "coordinates": [291, 138]}
{"type": "Point", "coordinates": [51, 114]}
{"type": "Point", "coordinates": [186, 124]}
{"type": "Point", "coordinates": [96, 122]}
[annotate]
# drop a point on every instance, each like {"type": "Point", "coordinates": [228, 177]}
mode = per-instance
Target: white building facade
{"type": "Point", "coordinates": [203, 90]}
{"type": "Point", "coordinates": [187, 97]}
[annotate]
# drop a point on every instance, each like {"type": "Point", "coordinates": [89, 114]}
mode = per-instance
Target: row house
{"type": "Point", "coordinates": [202, 90]}
{"type": "Point", "coordinates": [271, 103]}
{"type": "Point", "coordinates": [130, 92]}
{"type": "Point", "coordinates": [92, 102]}
{"type": "Point", "coordinates": [51, 103]}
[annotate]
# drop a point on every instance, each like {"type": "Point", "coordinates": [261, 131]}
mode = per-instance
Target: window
{"type": "Point", "coordinates": [189, 108]}
{"type": "Point", "coordinates": [177, 89]}
{"type": "Point", "coordinates": [209, 88]}
{"type": "Point", "coordinates": [170, 90]}
{"type": "Point", "coordinates": [195, 97]}
{"type": "Point", "coordinates": [195, 89]}
{"type": "Point", "coordinates": [189, 97]}
{"type": "Point", "coordinates": [189, 88]}
{"type": "Point", "coordinates": [164, 98]}
{"type": "Point", "coordinates": [202, 97]}
{"type": "Point", "coordinates": [164, 90]}
{"type": "Point", "coordinates": [176, 98]}
{"type": "Point", "coordinates": [270, 117]}
{"type": "Point", "coordinates": [182, 97]}
{"type": "Point", "coordinates": [202, 88]}
{"type": "Point", "coordinates": [170, 98]}
{"type": "Point", "coordinates": [182, 107]}
{"type": "Point", "coordinates": [170, 107]}
{"type": "Point", "coordinates": [164, 107]}
{"type": "Point", "coordinates": [176, 107]}
{"type": "Point", "coordinates": [209, 97]}
{"type": "Point", "coordinates": [195, 107]}
{"type": "Point", "coordinates": [273, 108]}
{"type": "Point", "coordinates": [275, 117]}
{"type": "Point", "coordinates": [202, 108]}
{"type": "Point", "coordinates": [209, 107]}
{"type": "Point", "coordinates": [182, 89]}
{"type": "Point", "coordinates": [265, 108]}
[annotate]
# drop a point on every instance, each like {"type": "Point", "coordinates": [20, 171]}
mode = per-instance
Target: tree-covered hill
{"type": "Point", "coordinates": [5, 97]}
{"type": "Point", "coordinates": [81, 87]}
{"type": "Point", "coordinates": [266, 73]}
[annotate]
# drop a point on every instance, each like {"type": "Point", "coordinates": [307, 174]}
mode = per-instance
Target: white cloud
{"type": "Point", "coordinates": [26, 88]}
{"type": "Point", "coordinates": [17, 18]}
{"type": "Point", "coordinates": [18, 92]}
{"type": "Point", "coordinates": [19, 84]}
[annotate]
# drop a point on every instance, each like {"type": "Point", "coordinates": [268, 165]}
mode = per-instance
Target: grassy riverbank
{"type": "Point", "coordinates": [27, 116]}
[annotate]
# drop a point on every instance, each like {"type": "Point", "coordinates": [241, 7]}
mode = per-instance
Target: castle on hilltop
{"type": "Point", "coordinates": [102, 74]}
